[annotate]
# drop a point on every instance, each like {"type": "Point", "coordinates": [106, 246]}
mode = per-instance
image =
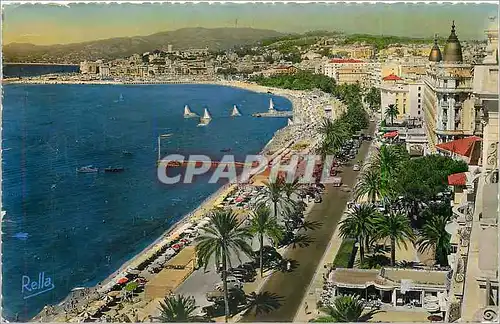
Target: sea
{"type": "Point", "coordinates": [76, 229]}
{"type": "Point", "coordinates": [29, 70]}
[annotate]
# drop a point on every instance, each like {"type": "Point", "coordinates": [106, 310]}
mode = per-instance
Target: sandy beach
{"type": "Point", "coordinates": [283, 138]}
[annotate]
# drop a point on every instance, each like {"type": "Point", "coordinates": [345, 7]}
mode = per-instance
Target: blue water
{"type": "Point", "coordinates": [26, 70]}
{"type": "Point", "coordinates": [79, 228]}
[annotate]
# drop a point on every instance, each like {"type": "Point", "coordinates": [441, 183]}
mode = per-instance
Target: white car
{"type": "Point", "coordinates": [356, 167]}
{"type": "Point", "coordinates": [232, 282]}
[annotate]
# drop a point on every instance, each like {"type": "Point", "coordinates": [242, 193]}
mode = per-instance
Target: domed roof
{"type": "Point", "coordinates": [435, 55]}
{"type": "Point", "coordinates": [452, 49]}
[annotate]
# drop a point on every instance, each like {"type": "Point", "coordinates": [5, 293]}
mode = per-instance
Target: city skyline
{"type": "Point", "coordinates": [63, 24]}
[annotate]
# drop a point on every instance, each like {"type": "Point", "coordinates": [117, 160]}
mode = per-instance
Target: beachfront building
{"type": "Point", "coordinates": [405, 96]}
{"type": "Point", "coordinates": [474, 291]}
{"type": "Point", "coordinates": [449, 112]}
{"type": "Point", "coordinates": [348, 71]}
{"type": "Point", "coordinates": [393, 288]}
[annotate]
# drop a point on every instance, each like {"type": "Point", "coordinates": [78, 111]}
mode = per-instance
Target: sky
{"type": "Point", "coordinates": [45, 24]}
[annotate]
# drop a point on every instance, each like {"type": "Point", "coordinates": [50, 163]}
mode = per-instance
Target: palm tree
{"type": "Point", "coordinates": [178, 309]}
{"type": "Point", "coordinates": [346, 309]}
{"type": "Point", "coordinates": [273, 193]}
{"type": "Point", "coordinates": [290, 188]}
{"type": "Point", "coordinates": [222, 237]}
{"type": "Point", "coordinates": [334, 135]}
{"type": "Point", "coordinates": [391, 112]}
{"type": "Point", "coordinates": [327, 126]}
{"type": "Point", "coordinates": [264, 225]}
{"type": "Point", "coordinates": [433, 235]}
{"type": "Point", "coordinates": [395, 227]}
{"type": "Point", "coordinates": [359, 224]}
{"type": "Point", "coordinates": [387, 161]}
{"type": "Point", "coordinates": [370, 184]}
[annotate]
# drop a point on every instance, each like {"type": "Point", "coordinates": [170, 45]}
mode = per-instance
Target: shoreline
{"type": "Point", "coordinates": [197, 213]}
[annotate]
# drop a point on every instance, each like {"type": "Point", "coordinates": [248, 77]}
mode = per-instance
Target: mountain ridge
{"type": "Point", "coordinates": [117, 47]}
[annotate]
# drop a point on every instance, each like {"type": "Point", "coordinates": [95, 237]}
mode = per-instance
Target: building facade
{"type": "Point", "coordinates": [448, 108]}
{"type": "Point", "coordinates": [474, 290]}
{"type": "Point", "coordinates": [405, 96]}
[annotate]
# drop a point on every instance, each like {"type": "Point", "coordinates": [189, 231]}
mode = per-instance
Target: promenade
{"type": "Point", "coordinates": [292, 286]}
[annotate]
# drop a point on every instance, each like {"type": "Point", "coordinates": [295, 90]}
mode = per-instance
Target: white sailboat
{"type": "Point", "coordinates": [188, 113]}
{"type": "Point", "coordinates": [271, 105]}
{"type": "Point", "coordinates": [121, 97]}
{"type": "Point", "coordinates": [205, 120]}
{"type": "Point", "coordinates": [235, 112]}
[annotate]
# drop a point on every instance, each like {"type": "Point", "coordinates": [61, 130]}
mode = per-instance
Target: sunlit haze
{"type": "Point", "coordinates": [51, 24]}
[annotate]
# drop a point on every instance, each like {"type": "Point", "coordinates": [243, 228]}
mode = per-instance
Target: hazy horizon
{"type": "Point", "coordinates": [63, 24]}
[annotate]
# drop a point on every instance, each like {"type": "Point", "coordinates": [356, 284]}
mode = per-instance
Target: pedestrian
{"type": "Point", "coordinates": [288, 266]}
{"type": "Point", "coordinates": [306, 308]}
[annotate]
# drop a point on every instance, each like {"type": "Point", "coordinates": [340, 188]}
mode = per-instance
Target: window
{"type": "Point", "coordinates": [419, 100]}
{"type": "Point", "coordinates": [418, 106]}
{"type": "Point", "coordinates": [419, 88]}
{"type": "Point", "coordinates": [419, 95]}
{"type": "Point", "coordinates": [418, 112]}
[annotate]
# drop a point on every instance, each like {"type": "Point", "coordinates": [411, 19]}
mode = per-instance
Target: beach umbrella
{"type": "Point", "coordinates": [176, 246]}
{"type": "Point", "coordinates": [114, 293]}
{"type": "Point", "coordinates": [134, 271]}
{"type": "Point", "coordinates": [122, 280]}
{"type": "Point", "coordinates": [93, 310]}
{"type": "Point", "coordinates": [131, 286]}
{"type": "Point", "coordinates": [107, 299]}
{"type": "Point", "coordinates": [98, 304]}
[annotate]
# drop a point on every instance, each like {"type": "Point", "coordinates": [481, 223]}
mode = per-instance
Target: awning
{"type": "Point", "coordinates": [463, 146]}
{"type": "Point", "coordinates": [391, 134]}
{"type": "Point", "coordinates": [457, 179]}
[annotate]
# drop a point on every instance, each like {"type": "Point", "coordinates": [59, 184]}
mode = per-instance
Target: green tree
{"type": "Point", "coordinates": [222, 237]}
{"type": "Point", "coordinates": [421, 179]}
{"type": "Point", "coordinates": [395, 227]}
{"type": "Point", "coordinates": [346, 309]}
{"type": "Point", "coordinates": [263, 224]}
{"type": "Point", "coordinates": [290, 188]}
{"type": "Point", "coordinates": [273, 193]}
{"type": "Point", "coordinates": [388, 161]}
{"type": "Point", "coordinates": [370, 184]}
{"type": "Point", "coordinates": [359, 224]}
{"type": "Point", "coordinates": [391, 112]}
{"type": "Point", "coordinates": [372, 98]}
{"type": "Point", "coordinates": [433, 236]}
{"type": "Point", "coordinates": [178, 309]}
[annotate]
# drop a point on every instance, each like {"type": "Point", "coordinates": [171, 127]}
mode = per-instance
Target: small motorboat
{"type": "Point", "coordinates": [127, 153]}
{"type": "Point", "coordinates": [87, 169]}
{"type": "Point", "coordinates": [226, 150]}
{"type": "Point", "coordinates": [114, 169]}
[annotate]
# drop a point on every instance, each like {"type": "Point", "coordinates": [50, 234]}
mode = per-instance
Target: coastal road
{"type": "Point", "coordinates": [293, 285]}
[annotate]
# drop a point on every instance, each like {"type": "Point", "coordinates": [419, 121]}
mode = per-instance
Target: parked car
{"type": "Point", "coordinates": [232, 283]}
{"type": "Point", "coordinates": [356, 167]}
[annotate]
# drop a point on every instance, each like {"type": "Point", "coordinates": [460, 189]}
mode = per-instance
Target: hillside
{"type": "Point", "coordinates": [107, 49]}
